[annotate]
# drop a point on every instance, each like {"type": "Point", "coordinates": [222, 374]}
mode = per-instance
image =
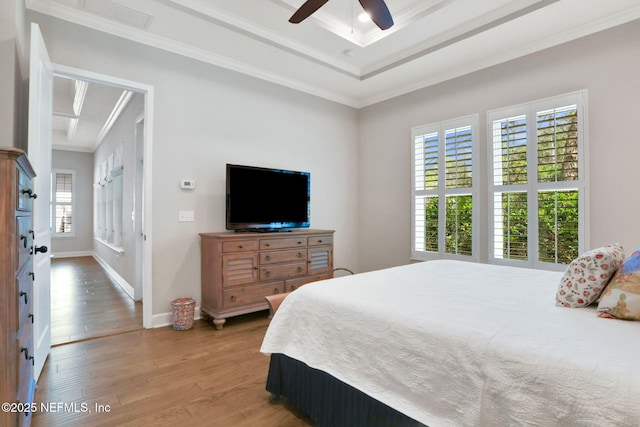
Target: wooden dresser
{"type": "Point", "coordinates": [16, 283]}
{"type": "Point", "coordinates": [240, 269]}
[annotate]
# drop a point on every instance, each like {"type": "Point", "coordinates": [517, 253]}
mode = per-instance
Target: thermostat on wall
{"type": "Point", "coordinates": [187, 184]}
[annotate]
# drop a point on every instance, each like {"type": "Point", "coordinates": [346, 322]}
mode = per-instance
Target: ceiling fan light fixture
{"type": "Point", "coordinates": [364, 17]}
{"type": "Point", "coordinates": [377, 11]}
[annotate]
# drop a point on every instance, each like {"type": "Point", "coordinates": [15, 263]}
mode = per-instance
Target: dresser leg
{"type": "Point", "coordinates": [219, 323]}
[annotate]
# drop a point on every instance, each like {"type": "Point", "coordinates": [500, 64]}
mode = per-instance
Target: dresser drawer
{"type": "Point", "coordinates": [293, 284]}
{"type": "Point", "coordinates": [25, 292]}
{"type": "Point", "coordinates": [24, 238]}
{"type": "Point", "coordinates": [320, 240]}
{"type": "Point", "coordinates": [25, 190]}
{"type": "Point", "coordinates": [283, 243]}
{"type": "Point", "coordinates": [275, 257]}
{"type": "Point", "coordinates": [283, 271]}
{"type": "Point", "coordinates": [244, 295]}
{"type": "Point", "coordinates": [240, 246]}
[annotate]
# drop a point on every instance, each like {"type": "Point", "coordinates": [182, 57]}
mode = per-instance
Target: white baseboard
{"type": "Point", "coordinates": [71, 254]}
{"type": "Point", "coordinates": [115, 276]}
{"type": "Point", "coordinates": [165, 319]}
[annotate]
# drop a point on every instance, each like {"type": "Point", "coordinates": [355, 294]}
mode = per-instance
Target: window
{"type": "Point", "coordinates": [444, 189]}
{"type": "Point", "coordinates": [537, 182]}
{"type": "Point", "coordinates": [62, 200]}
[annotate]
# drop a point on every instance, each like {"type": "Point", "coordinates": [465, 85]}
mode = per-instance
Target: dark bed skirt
{"type": "Point", "coordinates": [328, 401]}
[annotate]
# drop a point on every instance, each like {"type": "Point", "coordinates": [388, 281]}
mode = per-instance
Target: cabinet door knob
{"type": "Point", "coordinates": [41, 249]}
{"type": "Point", "coordinates": [233, 298]}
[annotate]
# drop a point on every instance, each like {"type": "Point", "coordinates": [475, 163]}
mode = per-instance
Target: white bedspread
{"type": "Point", "coordinates": [463, 344]}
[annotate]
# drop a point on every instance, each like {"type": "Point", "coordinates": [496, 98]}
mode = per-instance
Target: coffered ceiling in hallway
{"type": "Point", "coordinates": [333, 54]}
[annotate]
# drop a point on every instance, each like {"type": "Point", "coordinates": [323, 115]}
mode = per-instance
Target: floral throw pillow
{"type": "Point", "coordinates": [621, 298]}
{"type": "Point", "coordinates": [588, 275]}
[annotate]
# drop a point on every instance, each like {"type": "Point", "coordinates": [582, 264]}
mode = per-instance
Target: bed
{"type": "Point", "coordinates": [451, 343]}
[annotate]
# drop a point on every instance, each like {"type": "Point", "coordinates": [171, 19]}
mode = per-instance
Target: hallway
{"type": "Point", "coordinates": [85, 303]}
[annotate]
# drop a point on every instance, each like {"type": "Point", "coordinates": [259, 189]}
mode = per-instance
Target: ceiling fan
{"type": "Point", "coordinates": [376, 9]}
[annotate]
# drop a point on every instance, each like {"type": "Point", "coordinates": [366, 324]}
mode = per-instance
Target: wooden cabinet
{"type": "Point", "coordinates": [16, 286]}
{"type": "Point", "coordinates": [240, 269]}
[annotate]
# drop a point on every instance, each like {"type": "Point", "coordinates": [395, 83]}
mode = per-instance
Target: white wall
{"type": "Point", "coordinates": [123, 131]}
{"type": "Point", "coordinates": [206, 117]}
{"type": "Point", "coordinates": [606, 64]}
{"type": "Point", "coordinates": [82, 165]}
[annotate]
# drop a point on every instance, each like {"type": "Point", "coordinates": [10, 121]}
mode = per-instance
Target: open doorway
{"type": "Point", "coordinates": [104, 122]}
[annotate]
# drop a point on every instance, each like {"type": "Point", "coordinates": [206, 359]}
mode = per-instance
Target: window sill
{"type": "Point", "coordinates": [117, 249]}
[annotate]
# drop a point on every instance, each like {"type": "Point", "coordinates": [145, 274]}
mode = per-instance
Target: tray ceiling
{"type": "Point", "coordinates": [335, 55]}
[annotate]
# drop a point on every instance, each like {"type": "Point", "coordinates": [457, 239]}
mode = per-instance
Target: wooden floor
{"type": "Point", "coordinates": [162, 377]}
{"type": "Point", "coordinates": [85, 303]}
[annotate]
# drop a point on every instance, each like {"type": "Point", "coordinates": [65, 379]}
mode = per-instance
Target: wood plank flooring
{"type": "Point", "coordinates": [85, 303]}
{"type": "Point", "coordinates": [162, 377]}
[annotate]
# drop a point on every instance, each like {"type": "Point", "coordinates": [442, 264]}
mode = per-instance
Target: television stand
{"type": "Point", "coordinates": [240, 269]}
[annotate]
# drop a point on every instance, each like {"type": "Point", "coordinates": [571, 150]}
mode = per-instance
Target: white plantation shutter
{"type": "Point", "coordinates": [537, 189]}
{"type": "Point", "coordinates": [62, 199]}
{"type": "Point", "coordinates": [443, 189]}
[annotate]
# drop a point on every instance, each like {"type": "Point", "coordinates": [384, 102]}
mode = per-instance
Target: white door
{"type": "Point", "coordinates": [39, 152]}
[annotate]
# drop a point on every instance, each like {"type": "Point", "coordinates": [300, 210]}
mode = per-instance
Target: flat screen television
{"type": "Point", "coordinates": [264, 199]}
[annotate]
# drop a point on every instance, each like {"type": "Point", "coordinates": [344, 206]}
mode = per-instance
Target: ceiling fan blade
{"type": "Point", "coordinates": [306, 10]}
{"type": "Point", "coordinates": [379, 13]}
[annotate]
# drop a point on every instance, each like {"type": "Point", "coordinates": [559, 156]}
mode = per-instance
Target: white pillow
{"type": "Point", "coordinates": [588, 275]}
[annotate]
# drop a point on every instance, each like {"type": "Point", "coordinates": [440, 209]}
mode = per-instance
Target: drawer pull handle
{"type": "Point", "coordinates": [31, 316]}
{"type": "Point", "coordinates": [29, 192]}
{"type": "Point", "coordinates": [33, 275]}
{"type": "Point", "coordinates": [240, 247]}
{"type": "Point", "coordinates": [233, 298]}
{"type": "Point", "coordinates": [267, 273]}
{"type": "Point", "coordinates": [320, 241]}
{"type": "Point", "coordinates": [24, 294]}
{"type": "Point", "coordinates": [268, 244]}
{"type": "Point", "coordinates": [299, 269]}
{"type": "Point", "coordinates": [276, 291]}
{"type": "Point", "coordinates": [23, 237]}
{"type": "Point", "coordinates": [299, 242]}
{"type": "Point", "coordinates": [300, 255]}
{"type": "Point", "coordinates": [268, 257]}
{"type": "Point", "coordinates": [293, 287]}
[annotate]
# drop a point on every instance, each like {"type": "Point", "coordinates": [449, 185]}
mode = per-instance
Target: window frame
{"type": "Point", "coordinates": [532, 186]}
{"type": "Point", "coordinates": [442, 192]}
{"type": "Point", "coordinates": [54, 203]}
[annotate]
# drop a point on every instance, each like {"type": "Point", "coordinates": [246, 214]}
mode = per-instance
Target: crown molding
{"type": "Point", "coordinates": [70, 14]}
{"type": "Point", "coordinates": [143, 37]}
